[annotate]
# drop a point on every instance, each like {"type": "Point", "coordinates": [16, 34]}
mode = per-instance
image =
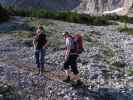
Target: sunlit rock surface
{"type": "Point", "coordinates": [93, 7]}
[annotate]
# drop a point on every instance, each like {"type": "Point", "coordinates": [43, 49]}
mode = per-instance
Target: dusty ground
{"type": "Point", "coordinates": [17, 64]}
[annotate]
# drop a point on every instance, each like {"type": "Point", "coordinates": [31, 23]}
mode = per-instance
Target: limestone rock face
{"type": "Point", "coordinates": [94, 7]}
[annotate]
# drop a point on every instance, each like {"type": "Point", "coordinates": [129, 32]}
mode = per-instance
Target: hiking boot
{"type": "Point", "coordinates": [41, 74]}
{"type": "Point", "coordinates": [67, 79]}
{"type": "Point", "coordinates": [42, 71]}
{"type": "Point", "coordinates": [39, 71]}
{"type": "Point", "coordinates": [77, 84]}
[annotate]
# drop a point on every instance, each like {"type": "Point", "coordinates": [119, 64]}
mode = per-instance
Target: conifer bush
{"type": "Point", "coordinates": [3, 14]}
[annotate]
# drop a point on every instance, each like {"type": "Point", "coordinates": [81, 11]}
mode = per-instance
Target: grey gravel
{"type": "Point", "coordinates": [17, 66]}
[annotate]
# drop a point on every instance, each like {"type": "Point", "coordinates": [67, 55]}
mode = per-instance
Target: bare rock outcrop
{"type": "Point", "coordinates": [93, 7]}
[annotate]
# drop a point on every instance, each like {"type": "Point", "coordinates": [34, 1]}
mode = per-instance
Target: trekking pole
{"type": "Point", "coordinates": [34, 49]}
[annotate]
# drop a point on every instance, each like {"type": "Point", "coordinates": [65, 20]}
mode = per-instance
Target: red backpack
{"type": "Point", "coordinates": [78, 42]}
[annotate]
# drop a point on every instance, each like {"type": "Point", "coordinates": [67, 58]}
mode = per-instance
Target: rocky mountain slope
{"type": "Point", "coordinates": [104, 66]}
{"type": "Point", "coordinates": [131, 12]}
{"type": "Point", "coordinates": [82, 6]}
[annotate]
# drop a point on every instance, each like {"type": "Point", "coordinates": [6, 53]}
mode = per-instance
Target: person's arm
{"type": "Point", "coordinates": [67, 53]}
{"type": "Point", "coordinates": [46, 45]}
{"type": "Point", "coordinates": [68, 47]}
{"type": "Point", "coordinates": [33, 43]}
{"type": "Point", "coordinates": [46, 42]}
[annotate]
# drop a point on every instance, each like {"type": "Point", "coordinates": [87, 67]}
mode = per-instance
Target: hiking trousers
{"type": "Point", "coordinates": [39, 56]}
{"type": "Point", "coordinates": [71, 61]}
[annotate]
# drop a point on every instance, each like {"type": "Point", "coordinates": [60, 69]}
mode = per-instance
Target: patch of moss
{"type": "Point", "coordinates": [126, 29]}
{"type": "Point", "coordinates": [88, 38]}
{"type": "Point", "coordinates": [27, 42]}
{"type": "Point", "coordinates": [23, 35]}
{"type": "Point", "coordinates": [108, 52]}
{"type": "Point", "coordinates": [9, 92]}
{"type": "Point", "coordinates": [130, 72]}
{"type": "Point", "coordinates": [119, 64]}
{"type": "Point", "coordinates": [124, 19]}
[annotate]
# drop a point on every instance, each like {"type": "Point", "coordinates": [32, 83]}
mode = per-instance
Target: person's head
{"type": "Point", "coordinates": [66, 34]}
{"type": "Point", "coordinates": [93, 33]}
{"type": "Point", "coordinates": [40, 29]}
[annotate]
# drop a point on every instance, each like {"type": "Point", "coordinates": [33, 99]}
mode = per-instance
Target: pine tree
{"type": "Point", "coordinates": [3, 14]}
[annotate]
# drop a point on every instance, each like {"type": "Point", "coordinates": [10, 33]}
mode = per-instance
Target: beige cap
{"type": "Point", "coordinates": [64, 33]}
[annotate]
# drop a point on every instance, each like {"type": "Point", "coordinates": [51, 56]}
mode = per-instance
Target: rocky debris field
{"type": "Point", "coordinates": [104, 65]}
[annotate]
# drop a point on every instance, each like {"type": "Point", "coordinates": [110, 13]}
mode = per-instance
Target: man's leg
{"type": "Point", "coordinates": [42, 59]}
{"type": "Point", "coordinates": [75, 69]}
{"type": "Point", "coordinates": [37, 60]}
{"type": "Point", "coordinates": [67, 71]}
{"type": "Point", "coordinates": [76, 75]}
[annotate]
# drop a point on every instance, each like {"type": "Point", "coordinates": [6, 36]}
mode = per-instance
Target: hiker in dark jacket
{"type": "Point", "coordinates": [40, 44]}
{"type": "Point", "coordinates": [71, 59]}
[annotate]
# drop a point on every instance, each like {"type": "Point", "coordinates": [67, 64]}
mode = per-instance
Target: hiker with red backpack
{"type": "Point", "coordinates": [73, 46]}
{"type": "Point", "coordinates": [40, 44]}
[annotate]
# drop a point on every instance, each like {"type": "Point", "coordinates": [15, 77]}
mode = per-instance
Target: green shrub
{"type": "Point", "coordinates": [3, 14]}
{"type": "Point", "coordinates": [65, 16]}
{"type": "Point", "coordinates": [124, 19]}
{"type": "Point", "coordinates": [70, 16]}
{"type": "Point", "coordinates": [9, 92]}
{"type": "Point", "coordinates": [119, 64]}
{"type": "Point", "coordinates": [126, 29]}
{"type": "Point", "coordinates": [108, 52]}
{"type": "Point", "coordinates": [88, 38]}
{"type": "Point", "coordinates": [98, 20]}
{"type": "Point", "coordinates": [24, 35]}
{"type": "Point", "coordinates": [130, 72]}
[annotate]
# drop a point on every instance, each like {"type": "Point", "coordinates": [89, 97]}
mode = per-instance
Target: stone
{"type": "Point", "coordinates": [67, 97]}
{"type": "Point", "coordinates": [1, 97]}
